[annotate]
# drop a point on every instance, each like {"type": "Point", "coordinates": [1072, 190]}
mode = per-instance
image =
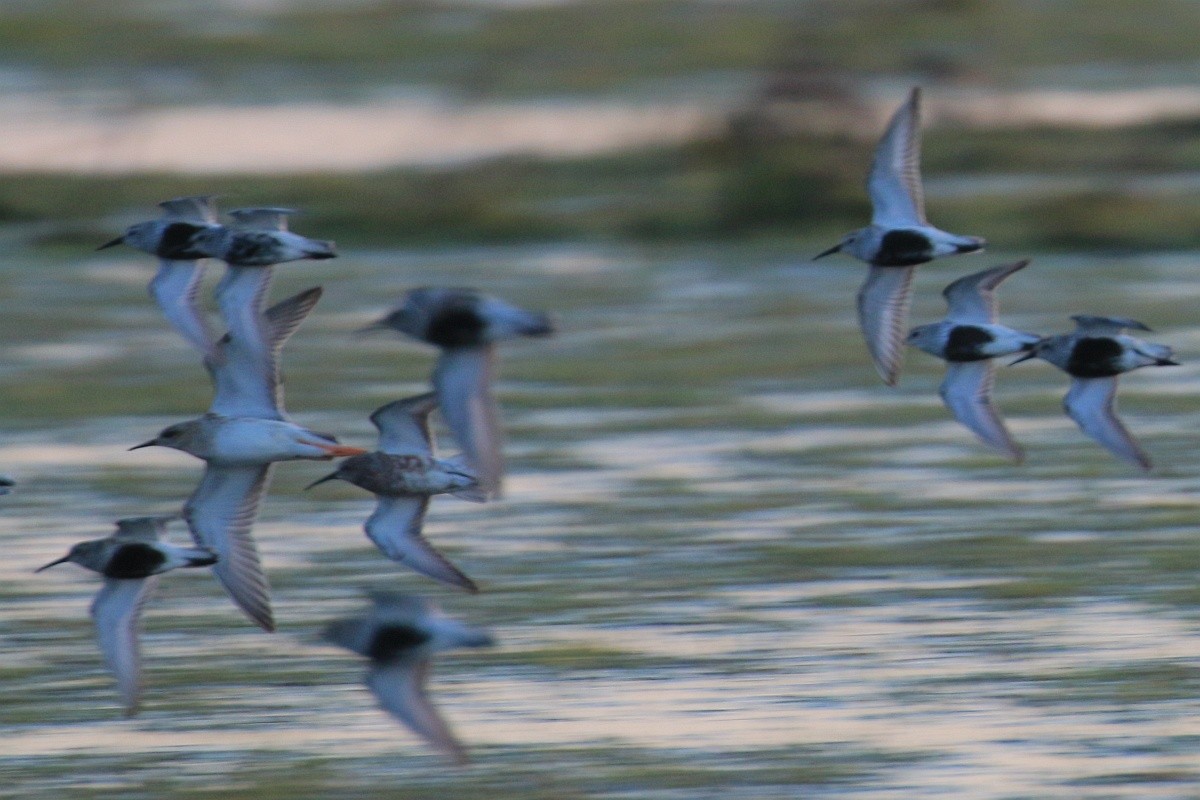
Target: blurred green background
{"type": "Point", "coordinates": [783, 101]}
{"type": "Point", "coordinates": [730, 564]}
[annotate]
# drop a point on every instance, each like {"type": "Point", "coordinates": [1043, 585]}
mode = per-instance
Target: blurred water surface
{"type": "Point", "coordinates": [730, 563]}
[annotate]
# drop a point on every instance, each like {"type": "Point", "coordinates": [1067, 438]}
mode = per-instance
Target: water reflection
{"type": "Point", "coordinates": [724, 552]}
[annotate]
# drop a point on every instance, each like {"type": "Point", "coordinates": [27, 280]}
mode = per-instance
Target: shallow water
{"type": "Point", "coordinates": [730, 563]}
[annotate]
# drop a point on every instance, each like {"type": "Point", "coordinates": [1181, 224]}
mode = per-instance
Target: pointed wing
{"type": "Point", "coordinates": [395, 528]}
{"type": "Point", "coordinates": [463, 381]}
{"type": "Point", "coordinates": [263, 218]}
{"type": "Point", "coordinates": [246, 381]}
{"type": "Point", "coordinates": [1092, 403]}
{"type": "Point", "coordinates": [1095, 325]}
{"type": "Point", "coordinates": [400, 689]}
{"type": "Point", "coordinates": [174, 287]}
{"type": "Point", "coordinates": [894, 183]}
{"type": "Point", "coordinates": [967, 392]}
{"type": "Point", "coordinates": [285, 317]}
{"type": "Point", "coordinates": [883, 303]}
{"type": "Point", "coordinates": [117, 612]}
{"type": "Point", "coordinates": [237, 373]}
{"type": "Point", "coordinates": [199, 208]}
{"type": "Point", "coordinates": [973, 299]}
{"type": "Point", "coordinates": [404, 425]}
{"type": "Point", "coordinates": [141, 529]}
{"type": "Point", "coordinates": [220, 514]}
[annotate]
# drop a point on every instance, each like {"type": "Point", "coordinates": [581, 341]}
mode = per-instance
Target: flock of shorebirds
{"type": "Point", "coordinates": [899, 238]}
{"type": "Point", "coordinates": [246, 429]}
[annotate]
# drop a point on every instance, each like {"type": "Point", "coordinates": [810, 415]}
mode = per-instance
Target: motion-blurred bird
{"type": "Point", "coordinates": [404, 474]}
{"type": "Point", "coordinates": [466, 326]}
{"type": "Point", "coordinates": [1094, 355]}
{"type": "Point", "coordinates": [243, 433]}
{"type": "Point", "coordinates": [898, 238]}
{"type": "Point", "coordinates": [259, 237]}
{"type": "Point", "coordinates": [257, 240]}
{"type": "Point", "coordinates": [967, 340]}
{"type": "Point", "coordinates": [130, 560]}
{"type": "Point", "coordinates": [400, 635]}
{"type": "Point", "coordinates": [174, 238]}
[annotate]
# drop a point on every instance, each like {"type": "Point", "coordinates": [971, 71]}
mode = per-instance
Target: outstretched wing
{"type": "Point", "coordinates": [262, 218]}
{"type": "Point", "coordinates": [220, 514]}
{"type": "Point", "coordinates": [117, 612]}
{"type": "Point", "coordinates": [174, 287]}
{"type": "Point", "coordinates": [894, 183]}
{"type": "Point", "coordinates": [395, 528]}
{"type": "Point", "coordinates": [198, 208]}
{"type": "Point", "coordinates": [462, 379]}
{"type": "Point", "coordinates": [973, 299]}
{"type": "Point", "coordinates": [249, 359]}
{"type": "Point", "coordinates": [883, 303]}
{"type": "Point", "coordinates": [967, 392]}
{"type": "Point", "coordinates": [1111, 326]}
{"type": "Point", "coordinates": [1092, 403]}
{"type": "Point", "coordinates": [142, 529]}
{"type": "Point", "coordinates": [243, 383]}
{"type": "Point", "coordinates": [400, 689]}
{"type": "Point", "coordinates": [404, 425]}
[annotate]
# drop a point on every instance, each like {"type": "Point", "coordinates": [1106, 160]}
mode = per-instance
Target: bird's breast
{"type": "Point", "coordinates": [457, 326]}
{"type": "Point", "coordinates": [134, 560]}
{"type": "Point", "coordinates": [1095, 357]}
{"type": "Point", "coordinates": [968, 343]}
{"type": "Point", "coordinates": [178, 242]}
{"type": "Point", "coordinates": [391, 641]}
{"type": "Point", "coordinates": [902, 248]}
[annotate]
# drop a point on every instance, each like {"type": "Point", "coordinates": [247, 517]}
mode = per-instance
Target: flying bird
{"type": "Point", "coordinates": [967, 340]}
{"type": "Point", "coordinates": [403, 474]}
{"type": "Point", "coordinates": [244, 432]}
{"type": "Point", "coordinates": [897, 240]}
{"type": "Point", "coordinates": [259, 237]}
{"type": "Point", "coordinates": [1094, 355]}
{"type": "Point", "coordinates": [400, 635]}
{"type": "Point", "coordinates": [466, 325]}
{"type": "Point", "coordinates": [175, 238]}
{"type": "Point", "coordinates": [257, 240]}
{"type": "Point", "coordinates": [131, 559]}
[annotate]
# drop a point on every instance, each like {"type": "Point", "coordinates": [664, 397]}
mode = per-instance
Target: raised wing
{"type": "Point", "coordinates": [1096, 325]}
{"type": "Point", "coordinates": [198, 208]}
{"type": "Point", "coordinates": [894, 183]}
{"type": "Point", "coordinates": [263, 218]}
{"type": "Point", "coordinates": [883, 303]}
{"type": "Point", "coordinates": [117, 612]}
{"type": "Point", "coordinates": [462, 379]}
{"type": "Point", "coordinates": [404, 425]}
{"type": "Point", "coordinates": [967, 392]}
{"type": "Point", "coordinates": [400, 689]}
{"type": "Point", "coordinates": [245, 385]}
{"type": "Point", "coordinates": [142, 529]}
{"type": "Point", "coordinates": [1092, 403]}
{"type": "Point", "coordinates": [174, 287]}
{"type": "Point", "coordinates": [395, 528]}
{"type": "Point", "coordinates": [250, 386]}
{"type": "Point", "coordinates": [220, 514]}
{"type": "Point", "coordinates": [972, 299]}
